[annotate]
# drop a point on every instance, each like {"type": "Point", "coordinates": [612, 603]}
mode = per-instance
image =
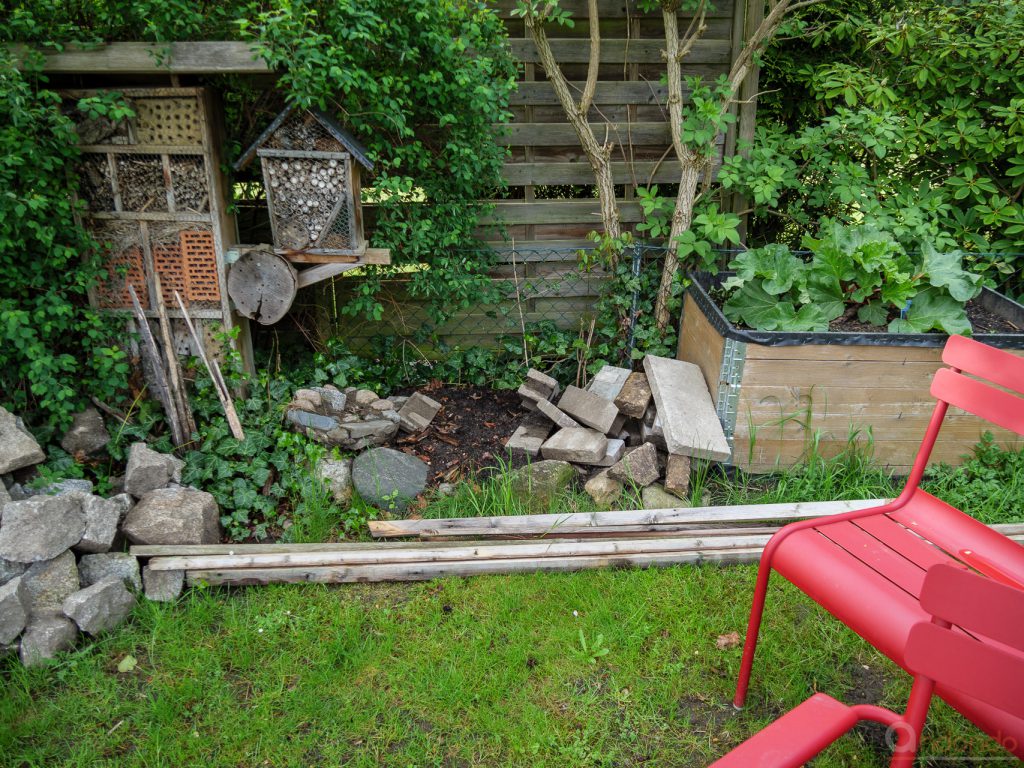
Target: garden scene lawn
{"type": "Point", "coordinates": [437, 382]}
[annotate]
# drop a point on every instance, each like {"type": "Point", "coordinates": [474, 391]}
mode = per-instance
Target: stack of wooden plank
{"type": "Point", "coordinates": [510, 544]}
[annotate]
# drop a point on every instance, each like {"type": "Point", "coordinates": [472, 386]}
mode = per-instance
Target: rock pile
{"type": "Point", "coordinates": [627, 430]}
{"type": "Point", "coordinates": [356, 420]}
{"type": "Point", "coordinates": [60, 568]}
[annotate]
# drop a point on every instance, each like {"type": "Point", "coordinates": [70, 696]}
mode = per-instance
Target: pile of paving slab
{"type": "Point", "coordinates": [627, 430]}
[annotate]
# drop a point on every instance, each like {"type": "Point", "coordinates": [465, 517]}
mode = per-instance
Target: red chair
{"type": "Point", "coordinates": [973, 645]}
{"type": "Point", "coordinates": [867, 567]}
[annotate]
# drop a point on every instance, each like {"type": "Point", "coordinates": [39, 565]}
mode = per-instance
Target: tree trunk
{"type": "Point", "coordinates": [599, 155]}
{"type": "Point", "coordinates": [682, 216]}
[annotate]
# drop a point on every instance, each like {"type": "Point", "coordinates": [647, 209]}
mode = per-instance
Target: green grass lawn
{"type": "Point", "coordinates": [490, 671]}
{"type": "Point", "coordinates": [602, 668]}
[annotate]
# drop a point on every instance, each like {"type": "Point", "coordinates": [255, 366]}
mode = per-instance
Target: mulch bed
{"type": "Point", "coordinates": [468, 434]}
{"type": "Point", "coordinates": [982, 321]}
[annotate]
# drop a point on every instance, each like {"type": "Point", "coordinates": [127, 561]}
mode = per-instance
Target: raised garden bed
{"type": "Point", "coordinates": [780, 393]}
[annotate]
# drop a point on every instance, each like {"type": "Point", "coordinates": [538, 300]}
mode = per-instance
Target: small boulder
{"type": "Point", "coordinates": [87, 434]}
{"type": "Point", "coordinates": [14, 609]}
{"type": "Point", "coordinates": [364, 397]}
{"type": "Point", "coordinates": [388, 479]}
{"type": "Point", "coordinates": [336, 475]}
{"type": "Point", "coordinates": [332, 398]}
{"type": "Point", "coordinates": [40, 528]}
{"type": "Point", "coordinates": [148, 470]}
{"type": "Point", "coordinates": [93, 569]}
{"type": "Point", "coordinates": [102, 518]}
{"type": "Point", "coordinates": [308, 396]}
{"type": "Point", "coordinates": [542, 482]}
{"type": "Point", "coordinates": [656, 497]}
{"type": "Point", "coordinates": [162, 586]}
{"type": "Point", "coordinates": [603, 489]}
{"type": "Point", "coordinates": [100, 607]}
{"type": "Point", "coordinates": [638, 467]}
{"type": "Point", "coordinates": [5, 496]}
{"type": "Point", "coordinates": [45, 636]}
{"type": "Point", "coordinates": [48, 584]}
{"type": "Point", "coordinates": [18, 448]}
{"type": "Point", "coordinates": [173, 516]}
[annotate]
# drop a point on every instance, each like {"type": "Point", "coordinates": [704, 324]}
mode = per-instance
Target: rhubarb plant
{"type": "Point", "coordinates": [851, 272]}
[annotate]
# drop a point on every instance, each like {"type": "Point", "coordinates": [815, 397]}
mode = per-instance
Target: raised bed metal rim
{"type": "Point", "coordinates": [997, 303]}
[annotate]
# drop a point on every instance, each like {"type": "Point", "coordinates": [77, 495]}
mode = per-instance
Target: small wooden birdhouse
{"type": "Point", "coordinates": [311, 174]}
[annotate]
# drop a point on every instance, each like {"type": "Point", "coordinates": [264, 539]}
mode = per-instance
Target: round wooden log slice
{"type": "Point", "coordinates": [262, 285]}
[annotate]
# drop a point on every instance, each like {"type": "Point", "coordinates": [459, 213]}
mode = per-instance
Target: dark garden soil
{"type": "Point", "coordinates": [468, 434]}
{"type": "Point", "coordinates": [982, 321]}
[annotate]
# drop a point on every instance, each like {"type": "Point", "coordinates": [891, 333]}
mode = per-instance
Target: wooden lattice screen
{"type": "Point", "coordinates": [629, 100]}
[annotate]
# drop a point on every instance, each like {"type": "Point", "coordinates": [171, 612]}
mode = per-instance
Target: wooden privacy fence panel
{"type": "Point", "coordinates": [628, 107]}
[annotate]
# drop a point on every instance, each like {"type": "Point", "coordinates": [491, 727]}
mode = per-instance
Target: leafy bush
{"type": "Point", "coordinates": [989, 485]}
{"type": "Point", "coordinates": [909, 115]}
{"type": "Point", "coordinates": [852, 270]}
{"type": "Point", "coordinates": [54, 351]}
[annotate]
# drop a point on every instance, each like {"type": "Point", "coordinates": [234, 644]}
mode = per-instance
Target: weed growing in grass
{"type": "Point", "coordinates": [989, 485]}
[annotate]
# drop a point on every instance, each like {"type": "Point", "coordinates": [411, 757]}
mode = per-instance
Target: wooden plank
{"type": "Point", "coordinates": [134, 58]}
{"type": "Point", "coordinates": [428, 571]}
{"type": "Point", "coordinates": [860, 352]}
{"type": "Point", "coordinates": [558, 212]}
{"type": "Point", "coordinates": [702, 345]}
{"type": "Point", "coordinates": [612, 9]}
{"type": "Point", "coordinates": [850, 373]}
{"type": "Point", "coordinates": [638, 51]}
{"type": "Point", "coordinates": [317, 274]}
{"type": "Point", "coordinates": [467, 552]}
{"type": "Point", "coordinates": [562, 134]}
{"type": "Point", "coordinates": [642, 173]}
{"type": "Point", "coordinates": [566, 524]}
{"type": "Point", "coordinates": [610, 93]}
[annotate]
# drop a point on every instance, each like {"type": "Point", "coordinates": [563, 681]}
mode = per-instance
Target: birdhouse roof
{"type": "Point", "coordinates": [347, 140]}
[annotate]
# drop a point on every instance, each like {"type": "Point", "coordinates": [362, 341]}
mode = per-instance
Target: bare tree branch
{"type": "Point", "coordinates": [595, 56]}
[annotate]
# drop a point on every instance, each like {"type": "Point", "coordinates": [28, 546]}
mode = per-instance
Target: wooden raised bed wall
{"type": "Point", "coordinates": [778, 401]}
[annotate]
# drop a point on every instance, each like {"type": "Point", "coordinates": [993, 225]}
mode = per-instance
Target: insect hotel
{"type": "Point", "coordinates": [152, 196]}
{"type": "Point", "coordinates": [311, 174]}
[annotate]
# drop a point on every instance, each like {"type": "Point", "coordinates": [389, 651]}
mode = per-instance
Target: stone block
{"type": "Point", "coordinates": [656, 497]}
{"type": "Point", "coordinates": [174, 516]}
{"type": "Point", "coordinates": [555, 414]}
{"type": "Point", "coordinates": [48, 584]}
{"type": "Point", "coordinates": [148, 470]}
{"type": "Point", "coordinates": [542, 483]}
{"type": "Point", "coordinates": [417, 413]}
{"type": "Point", "coordinates": [336, 475]}
{"type": "Point", "coordinates": [528, 438]}
{"type": "Point", "coordinates": [99, 607]}
{"type": "Point", "coordinates": [14, 610]}
{"type": "Point", "coordinates": [18, 448]}
{"type": "Point", "coordinates": [635, 395]}
{"type": "Point", "coordinates": [607, 382]}
{"type": "Point", "coordinates": [639, 466]}
{"type": "Point", "coordinates": [578, 445]}
{"type": "Point", "coordinates": [45, 636]}
{"type": "Point", "coordinates": [603, 489]}
{"type": "Point", "coordinates": [40, 528]}
{"type": "Point", "coordinates": [311, 421]}
{"type": "Point", "coordinates": [9, 569]}
{"type": "Point", "coordinates": [87, 434]}
{"type": "Point", "coordinates": [613, 452]}
{"type": "Point", "coordinates": [686, 410]}
{"type": "Point", "coordinates": [102, 519]}
{"type": "Point", "coordinates": [93, 569]}
{"type": "Point", "coordinates": [677, 474]}
{"type": "Point", "coordinates": [589, 409]}
{"type": "Point", "coordinates": [162, 586]}
{"type": "Point", "coordinates": [388, 479]}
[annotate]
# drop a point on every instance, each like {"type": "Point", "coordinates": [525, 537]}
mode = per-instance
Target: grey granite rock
{"type": "Point", "coordinates": [162, 586]}
{"type": "Point", "coordinates": [87, 434]}
{"type": "Point", "coordinates": [45, 636]}
{"type": "Point", "coordinates": [173, 516]}
{"type": "Point", "coordinates": [93, 569]}
{"type": "Point", "coordinates": [40, 528]}
{"type": "Point", "coordinates": [102, 519]}
{"type": "Point", "coordinates": [100, 607]}
{"type": "Point", "coordinates": [14, 608]}
{"type": "Point", "coordinates": [336, 475]}
{"type": "Point", "coordinates": [387, 478]}
{"type": "Point", "coordinates": [47, 584]}
{"type": "Point", "coordinates": [148, 470]}
{"type": "Point", "coordinates": [18, 448]}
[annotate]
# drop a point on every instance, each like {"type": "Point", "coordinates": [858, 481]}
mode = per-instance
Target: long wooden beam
{"type": "Point", "coordinates": [132, 58]}
{"type": "Point", "coordinates": [427, 571]}
{"type": "Point", "coordinates": [467, 552]}
{"type": "Point", "coordinates": [571, 523]}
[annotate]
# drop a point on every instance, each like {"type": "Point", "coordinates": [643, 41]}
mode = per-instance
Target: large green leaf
{"type": "Point", "coordinates": [759, 309]}
{"type": "Point", "coordinates": [774, 263]}
{"type": "Point", "coordinates": [945, 270]}
{"type": "Point", "coordinates": [933, 309]}
{"type": "Point", "coordinates": [874, 312]}
{"type": "Point", "coordinates": [824, 292]}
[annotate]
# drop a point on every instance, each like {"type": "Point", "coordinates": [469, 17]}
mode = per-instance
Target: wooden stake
{"type": "Point", "coordinates": [219, 386]}
{"type": "Point", "coordinates": [175, 375]}
{"type": "Point", "coordinates": [151, 353]}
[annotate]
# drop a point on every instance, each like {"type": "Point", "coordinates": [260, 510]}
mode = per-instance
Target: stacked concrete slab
{"type": "Point", "coordinates": [632, 431]}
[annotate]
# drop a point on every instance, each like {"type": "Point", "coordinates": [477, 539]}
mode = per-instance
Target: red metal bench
{"type": "Point", "coordinates": [974, 646]}
{"type": "Point", "coordinates": [867, 567]}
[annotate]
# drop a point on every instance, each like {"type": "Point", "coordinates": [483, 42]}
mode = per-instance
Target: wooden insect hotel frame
{"type": "Point", "coordinates": [311, 174]}
{"type": "Point", "coordinates": [152, 194]}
